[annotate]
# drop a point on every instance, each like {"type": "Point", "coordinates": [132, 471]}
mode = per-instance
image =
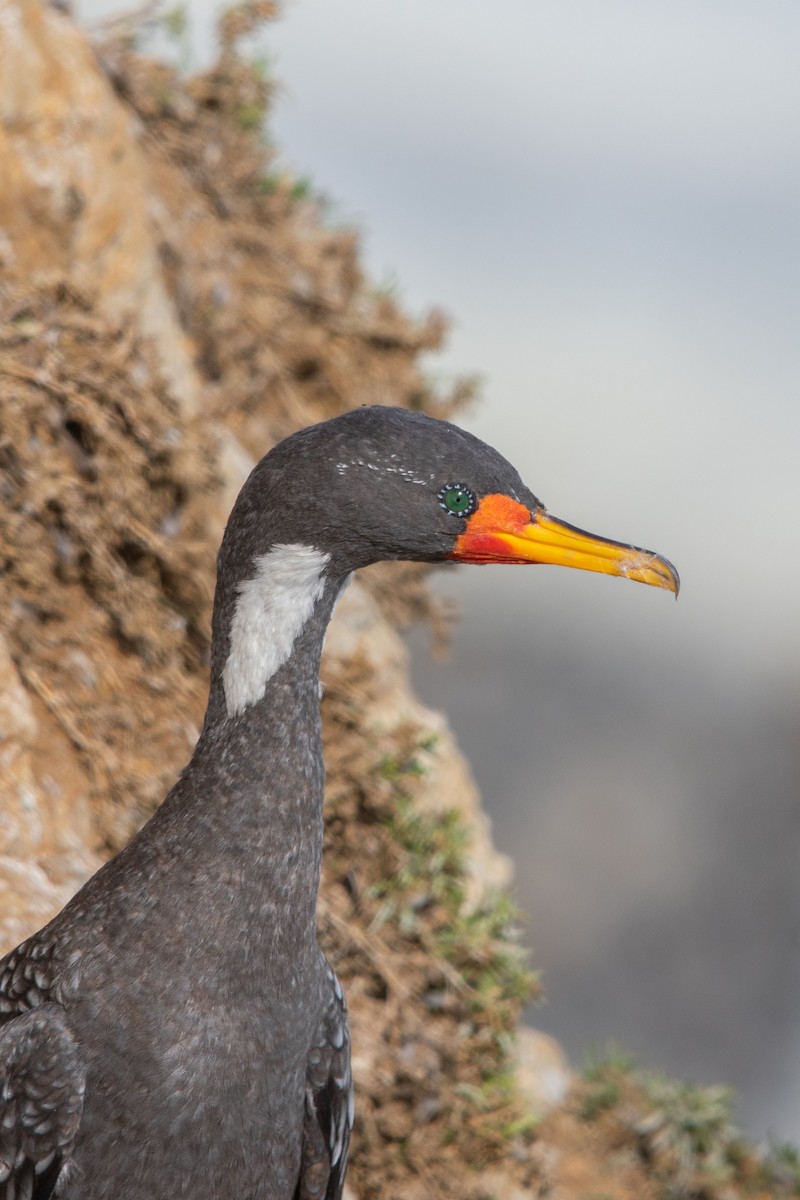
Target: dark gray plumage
{"type": "Point", "coordinates": [175, 1030]}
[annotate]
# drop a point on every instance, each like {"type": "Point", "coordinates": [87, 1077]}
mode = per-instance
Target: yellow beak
{"type": "Point", "coordinates": [503, 530]}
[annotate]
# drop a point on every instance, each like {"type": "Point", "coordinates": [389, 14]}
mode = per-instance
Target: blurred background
{"type": "Point", "coordinates": [604, 196]}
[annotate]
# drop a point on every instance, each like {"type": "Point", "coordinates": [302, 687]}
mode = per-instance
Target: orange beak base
{"type": "Point", "coordinates": [501, 530]}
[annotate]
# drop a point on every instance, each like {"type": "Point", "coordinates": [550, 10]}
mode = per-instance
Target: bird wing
{"type": "Point", "coordinates": [29, 975]}
{"type": "Point", "coordinates": [329, 1102]}
{"type": "Point", "coordinates": [42, 1081]}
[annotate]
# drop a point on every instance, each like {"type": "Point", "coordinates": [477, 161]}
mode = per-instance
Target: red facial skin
{"type": "Point", "coordinates": [494, 515]}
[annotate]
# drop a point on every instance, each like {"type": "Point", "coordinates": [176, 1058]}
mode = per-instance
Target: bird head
{"type": "Point", "coordinates": [385, 483]}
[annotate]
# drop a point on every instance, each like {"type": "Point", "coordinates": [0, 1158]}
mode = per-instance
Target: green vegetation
{"type": "Point", "coordinates": [689, 1134]}
{"type": "Point", "coordinates": [602, 1076]}
{"type": "Point", "coordinates": [175, 22]}
{"type": "Point", "coordinates": [251, 116]}
{"type": "Point", "coordinates": [781, 1168]}
{"type": "Point", "coordinates": [685, 1133]}
{"type": "Point", "coordinates": [482, 979]}
{"type": "Point", "coordinates": [426, 899]}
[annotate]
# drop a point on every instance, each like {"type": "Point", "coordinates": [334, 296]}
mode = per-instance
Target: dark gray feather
{"type": "Point", "coordinates": [329, 1102]}
{"type": "Point", "coordinates": [42, 1082]}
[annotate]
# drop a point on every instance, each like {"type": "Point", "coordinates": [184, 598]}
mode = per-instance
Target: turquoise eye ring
{"type": "Point", "coordinates": [457, 500]}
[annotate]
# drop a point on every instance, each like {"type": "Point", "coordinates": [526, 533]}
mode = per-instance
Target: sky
{"type": "Point", "coordinates": [604, 196]}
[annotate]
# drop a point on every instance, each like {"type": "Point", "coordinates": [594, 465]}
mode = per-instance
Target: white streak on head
{"type": "Point", "coordinates": [271, 610]}
{"type": "Point", "coordinates": [386, 465]}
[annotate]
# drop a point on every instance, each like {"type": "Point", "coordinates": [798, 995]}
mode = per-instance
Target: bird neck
{"type": "Point", "coordinates": [257, 783]}
{"type": "Point", "coordinates": [248, 807]}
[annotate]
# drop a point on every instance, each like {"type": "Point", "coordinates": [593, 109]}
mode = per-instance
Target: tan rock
{"type": "Point", "coordinates": [28, 899]}
{"type": "Point", "coordinates": [20, 819]}
{"type": "Point", "coordinates": [65, 144]}
{"type": "Point", "coordinates": [234, 464]}
{"type": "Point", "coordinates": [544, 1074]}
{"type": "Point", "coordinates": [46, 828]}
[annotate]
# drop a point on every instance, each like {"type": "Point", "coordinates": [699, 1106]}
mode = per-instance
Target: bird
{"type": "Point", "coordinates": [175, 1031]}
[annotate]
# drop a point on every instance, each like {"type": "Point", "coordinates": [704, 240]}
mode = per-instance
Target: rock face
{"type": "Point", "coordinates": [170, 306]}
{"type": "Point", "coordinates": [76, 186]}
{"type": "Point", "coordinates": [45, 822]}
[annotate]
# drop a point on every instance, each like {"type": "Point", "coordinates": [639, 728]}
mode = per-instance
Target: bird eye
{"type": "Point", "coordinates": [456, 499]}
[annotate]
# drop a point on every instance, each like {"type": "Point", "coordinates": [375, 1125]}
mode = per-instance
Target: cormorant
{"type": "Point", "coordinates": [175, 1030]}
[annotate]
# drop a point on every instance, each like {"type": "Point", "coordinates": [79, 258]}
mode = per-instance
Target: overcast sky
{"type": "Point", "coordinates": [604, 195]}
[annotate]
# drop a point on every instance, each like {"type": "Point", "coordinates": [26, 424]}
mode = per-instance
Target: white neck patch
{"type": "Point", "coordinates": [271, 610]}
